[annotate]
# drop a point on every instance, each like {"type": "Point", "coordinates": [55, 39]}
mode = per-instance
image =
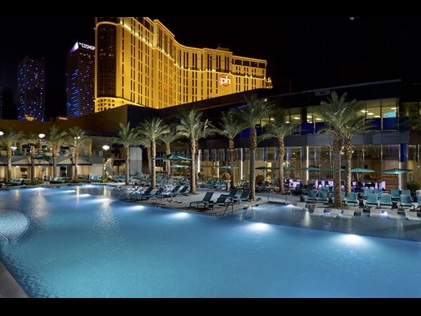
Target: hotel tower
{"type": "Point", "coordinates": [139, 62]}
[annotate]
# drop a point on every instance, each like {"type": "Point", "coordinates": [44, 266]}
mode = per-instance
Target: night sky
{"type": "Point", "coordinates": [308, 52]}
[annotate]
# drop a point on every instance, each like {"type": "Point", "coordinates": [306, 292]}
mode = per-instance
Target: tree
{"type": "Point", "coordinates": [56, 139]}
{"type": "Point", "coordinates": [78, 137]}
{"type": "Point", "coordinates": [151, 131]}
{"type": "Point", "coordinates": [127, 136]}
{"type": "Point", "coordinates": [9, 139]}
{"type": "Point", "coordinates": [251, 116]}
{"type": "Point", "coordinates": [356, 125]}
{"type": "Point", "coordinates": [278, 129]}
{"type": "Point", "coordinates": [230, 128]}
{"type": "Point", "coordinates": [192, 127]}
{"type": "Point", "coordinates": [168, 139]}
{"type": "Point", "coordinates": [32, 140]}
{"type": "Point", "coordinates": [337, 114]}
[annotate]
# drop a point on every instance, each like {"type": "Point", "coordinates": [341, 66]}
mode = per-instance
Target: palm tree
{"type": "Point", "coordinates": [278, 129]}
{"type": "Point", "coordinates": [78, 137]}
{"type": "Point", "coordinates": [337, 113]}
{"type": "Point", "coordinates": [9, 139]}
{"type": "Point", "coordinates": [193, 128]}
{"type": "Point", "coordinates": [127, 136]}
{"type": "Point", "coordinates": [151, 130]}
{"type": "Point", "coordinates": [357, 125]}
{"type": "Point", "coordinates": [168, 139]}
{"type": "Point", "coordinates": [250, 116]}
{"type": "Point", "coordinates": [230, 128]}
{"type": "Point", "coordinates": [32, 140]}
{"type": "Point", "coordinates": [56, 139]}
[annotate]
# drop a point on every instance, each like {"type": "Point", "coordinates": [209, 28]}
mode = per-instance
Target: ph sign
{"type": "Point", "coordinates": [225, 81]}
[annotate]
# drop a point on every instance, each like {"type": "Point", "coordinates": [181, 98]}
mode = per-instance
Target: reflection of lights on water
{"type": "Point", "coordinates": [261, 227]}
{"type": "Point", "coordinates": [351, 240]}
{"type": "Point", "coordinates": [136, 208]}
{"type": "Point", "coordinates": [180, 215]}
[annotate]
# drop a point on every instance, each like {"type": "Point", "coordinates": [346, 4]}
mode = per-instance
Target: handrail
{"type": "Point", "coordinates": [7, 239]}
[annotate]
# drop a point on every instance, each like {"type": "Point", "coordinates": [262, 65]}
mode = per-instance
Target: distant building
{"type": "Point", "coordinates": [80, 72]}
{"type": "Point", "coordinates": [139, 62]}
{"type": "Point", "coordinates": [31, 90]}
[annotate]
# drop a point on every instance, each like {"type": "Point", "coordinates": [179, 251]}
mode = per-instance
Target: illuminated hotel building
{"type": "Point", "coordinates": [31, 90]}
{"type": "Point", "coordinates": [139, 62]}
{"type": "Point", "coordinates": [80, 73]}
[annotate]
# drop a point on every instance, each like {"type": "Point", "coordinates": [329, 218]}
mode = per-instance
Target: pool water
{"type": "Point", "coordinates": [81, 243]}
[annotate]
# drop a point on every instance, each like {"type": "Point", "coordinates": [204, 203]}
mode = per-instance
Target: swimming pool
{"type": "Point", "coordinates": [82, 244]}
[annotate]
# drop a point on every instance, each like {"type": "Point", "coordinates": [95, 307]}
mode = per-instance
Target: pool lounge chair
{"type": "Point", "coordinates": [334, 212]}
{"type": "Point", "coordinates": [349, 214]}
{"type": "Point", "coordinates": [352, 199]}
{"type": "Point", "coordinates": [375, 212]}
{"type": "Point", "coordinates": [222, 200]}
{"type": "Point", "coordinates": [412, 216]}
{"type": "Point", "coordinates": [244, 196]}
{"type": "Point", "coordinates": [385, 201]}
{"type": "Point", "coordinates": [318, 211]}
{"type": "Point", "coordinates": [393, 214]}
{"type": "Point", "coordinates": [204, 202]}
{"type": "Point", "coordinates": [372, 200]}
{"type": "Point", "coordinates": [302, 205]}
{"type": "Point", "coordinates": [405, 202]}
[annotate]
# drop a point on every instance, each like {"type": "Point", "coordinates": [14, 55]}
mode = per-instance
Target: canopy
{"type": "Point", "coordinates": [395, 171]}
{"type": "Point", "coordinates": [362, 170]}
{"type": "Point", "coordinates": [174, 157]}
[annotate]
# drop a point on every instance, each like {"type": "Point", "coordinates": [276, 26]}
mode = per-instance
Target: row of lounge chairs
{"type": "Point", "coordinates": [226, 200]}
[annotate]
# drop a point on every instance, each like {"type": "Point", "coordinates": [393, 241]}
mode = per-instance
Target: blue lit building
{"type": "Point", "coordinates": [80, 73]}
{"type": "Point", "coordinates": [31, 90]}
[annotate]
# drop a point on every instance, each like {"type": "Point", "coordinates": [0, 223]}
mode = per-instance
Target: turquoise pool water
{"type": "Point", "coordinates": [81, 243]}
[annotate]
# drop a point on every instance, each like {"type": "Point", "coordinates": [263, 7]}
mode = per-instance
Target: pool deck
{"type": "Point", "coordinates": [361, 224]}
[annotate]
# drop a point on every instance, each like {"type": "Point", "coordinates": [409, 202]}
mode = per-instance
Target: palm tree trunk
{"type": "Point", "coordinates": [231, 161]}
{"type": "Point", "coordinates": [281, 154]}
{"type": "Point", "coordinates": [33, 164]}
{"type": "Point", "coordinates": [193, 175]}
{"type": "Point", "coordinates": [337, 149]}
{"type": "Point", "coordinates": [253, 146]}
{"type": "Point", "coordinates": [9, 164]}
{"type": "Point", "coordinates": [127, 162]}
{"type": "Point", "coordinates": [153, 165]}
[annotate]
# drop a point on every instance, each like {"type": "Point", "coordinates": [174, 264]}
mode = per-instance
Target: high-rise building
{"type": "Point", "coordinates": [80, 72]}
{"type": "Point", "coordinates": [139, 62]}
{"type": "Point", "coordinates": [31, 89]}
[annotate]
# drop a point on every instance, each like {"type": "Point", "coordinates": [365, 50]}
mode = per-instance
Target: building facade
{"type": "Point", "coordinates": [80, 72]}
{"type": "Point", "coordinates": [139, 62]}
{"type": "Point", "coordinates": [31, 90]}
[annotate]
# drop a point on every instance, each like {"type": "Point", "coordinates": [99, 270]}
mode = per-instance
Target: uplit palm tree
{"type": "Point", "coordinates": [337, 113]}
{"type": "Point", "coordinates": [151, 130]}
{"type": "Point", "coordinates": [127, 136]}
{"type": "Point", "coordinates": [78, 137]}
{"type": "Point", "coordinates": [9, 139]}
{"type": "Point", "coordinates": [278, 129]}
{"type": "Point", "coordinates": [32, 140]}
{"type": "Point", "coordinates": [251, 116]}
{"type": "Point", "coordinates": [230, 128]}
{"type": "Point", "coordinates": [192, 127]}
{"type": "Point", "coordinates": [168, 139]}
{"type": "Point", "coordinates": [56, 138]}
{"type": "Point", "coordinates": [357, 125]}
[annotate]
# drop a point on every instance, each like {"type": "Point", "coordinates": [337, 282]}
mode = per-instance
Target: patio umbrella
{"type": "Point", "coordinates": [362, 170]}
{"type": "Point", "coordinates": [225, 167]}
{"type": "Point", "coordinates": [174, 157]}
{"type": "Point", "coordinates": [179, 167]}
{"type": "Point", "coordinates": [396, 171]}
{"type": "Point", "coordinates": [311, 169]}
{"type": "Point", "coordinates": [267, 168]}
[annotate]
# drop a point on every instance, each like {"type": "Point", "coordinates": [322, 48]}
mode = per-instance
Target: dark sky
{"type": "Point", "coordinates": [311, 52]}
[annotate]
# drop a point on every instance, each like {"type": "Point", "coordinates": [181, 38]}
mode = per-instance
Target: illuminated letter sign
{"type": "Point", "coordinates": [225, 81]}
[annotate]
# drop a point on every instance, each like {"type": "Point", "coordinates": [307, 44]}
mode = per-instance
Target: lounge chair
{"type": "Point", "coordinates": [322, 196]}
{"type": "Point", "coordinates": [385, 201]}
{"type": "Point", "coordinates": [393, 214]}
{"type": "Point", "coordinates": [222, 200]}
{"type": "Point", "coordinates": [372, 200]}
{"type": "Point", "coordinates": [334, 212]}
{"type": "Point", "coordinates": [318, 211]}
{"type": "Point", "coordinates": [405, 202]}
{"type": "Point", "coordinates": [412, 216]}
{"type": "Point", "coordinates": [311, 196]}
{"type": "Point", "coordinates": [352, 199]}
{"type": "Point", "coordinates": [244, 196]}
{"type": "Point", "coordinates": [139, 195]}
{"type": "Point", "coordinates": [395, 194]}
{"type": "Point", "coordinates": [302, 205]}
{"type": "Point", "coordinates": [348, 214]}
{"type": "Point", "coordinates": [375, 212]}
{"type": "Point", "coordinates": [205, 201]}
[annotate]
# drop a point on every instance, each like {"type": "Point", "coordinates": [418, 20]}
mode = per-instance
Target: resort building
{"type": "Point", "coordinates": [392, 106]}
{"type": "Point", "coordinates": [140, 63]}
{"type": "Point", "coordinates": [31, 89]}
{"type": "Point", "coordinates": [80, 72]}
